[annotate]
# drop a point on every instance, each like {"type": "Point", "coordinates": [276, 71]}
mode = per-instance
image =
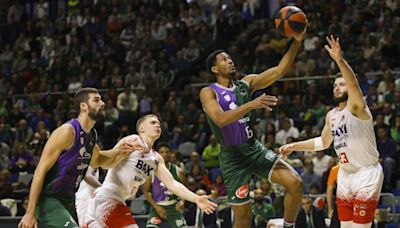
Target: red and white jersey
{"type": "Point", "coordinates": [353, 140]}
{"type": "Point", "coordinates": [125, 178]}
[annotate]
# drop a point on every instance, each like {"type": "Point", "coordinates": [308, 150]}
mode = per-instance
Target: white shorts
{"type": "Point", "coordinates": [107, 212]}
{"type": "Point", "coordinates": [358, 193]}
{"type": "Point", "coordinates": [81, 209]}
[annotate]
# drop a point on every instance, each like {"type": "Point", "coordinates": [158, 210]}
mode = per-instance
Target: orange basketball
{"type": "Point", "coordinates": [290, 21]}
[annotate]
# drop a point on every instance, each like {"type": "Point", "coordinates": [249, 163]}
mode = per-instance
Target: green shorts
{"type": "Point", "coordinates": [174, 218]}
{"type": "Point", "coordinates": [54, 211]}
{"type": "Point", "coordinates": [238, 164]}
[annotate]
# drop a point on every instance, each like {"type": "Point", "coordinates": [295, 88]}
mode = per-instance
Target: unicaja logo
{"type": "Point", "coordinates": [242, 192]}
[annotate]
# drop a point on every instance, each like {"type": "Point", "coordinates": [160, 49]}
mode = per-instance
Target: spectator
{"type": "Point", "coordinates": [395, 130]}
{"type": "Point", "coordinates": [21, 160]}
{"type": "Point", "coordinates": [310, 215]}
{"type": "Point", "coordinates": [194, 160]}
{"type": "Point", "coordinates": [218, 185]}
{"type": "Point", "coordinates": [6, 190]}
{"type": "Point", "coordinates": [175, 158]}
{"type": "Point", "coordinates": [262, 211]}
{"type": "Point", "coordinates": [23, 133]}
{"type": "Point", "coordinates": [321, 162]}
{"type": "Point", "coordinates": [127, 105]}
{"type": "Point", "coordinates": [4, 156]}
{"type": "Point", "coordinates": [211, 153]}
{"type": "Point", "coordinates": [145, 105]}
{"type": "Point", "coordinates": [309, 176]}
{"type": "Point", "coordinates": [196, 180]}
{"type": "Point", "coordinates": [387, 151]}
{"type": "Point", "coordinates": [5, 135]}
{"type": "Point", "coordinates": [287, 131]}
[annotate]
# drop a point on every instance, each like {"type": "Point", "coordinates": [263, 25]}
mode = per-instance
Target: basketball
{"type": "Point", "coordinates": [290, 21]}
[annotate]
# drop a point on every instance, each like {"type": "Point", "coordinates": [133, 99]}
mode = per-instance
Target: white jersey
{"type": "Point", "coordinates": [125, 178]}
{"type": "Point", "coordinates": [353, 140]}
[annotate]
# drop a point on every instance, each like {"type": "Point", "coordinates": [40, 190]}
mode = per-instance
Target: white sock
{"type": "Point", "coordinates": [346, 224]}
{"type": "Point", "coordinates": [358, 225]}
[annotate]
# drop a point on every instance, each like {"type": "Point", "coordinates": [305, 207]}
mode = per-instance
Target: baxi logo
{"type": "Point", "coordinates": [341, 130]}
{"type": "Point", "coordinates": [242, 192]}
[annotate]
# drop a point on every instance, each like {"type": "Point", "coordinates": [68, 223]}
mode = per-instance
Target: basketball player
{"type": "Point", "coordinates": [165, 206]}
{"type": "Point", "coordinates": [65, 158]}
{"type": "Point", "coordinates": [228, 105]}
{"type": "Point", "coordinates": [350, 127]}
{"type": "Point", "coordinates": [87, 187]}
{"type": "Point", "coordinates": [107, 207]}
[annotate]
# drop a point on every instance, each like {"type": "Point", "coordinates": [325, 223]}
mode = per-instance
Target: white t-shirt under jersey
{"type": "Point", "coordinates": [125, 178]}
{"type": "Point", "coordinates": [353, 140]}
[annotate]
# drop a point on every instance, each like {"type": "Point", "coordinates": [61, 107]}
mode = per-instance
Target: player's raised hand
{"type": "Point", "coordinates": [299, 37]}
{"type": "Point", "coordinates": [333, 48]}
{"type": "Point", "coordinates": [286, 149]}
{"type": "Point", "coordinates": [206, 205]}
{"type": "Point", "coordinates": [28, 221]}
{"type": "Point", "coordinates": [264, 101]}
{"type": "Point", "coordinates": [128, 147]}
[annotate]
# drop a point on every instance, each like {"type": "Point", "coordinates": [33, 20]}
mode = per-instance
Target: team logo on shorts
{"type": "Point", "coordinates": [227, 97]}
{"type": "Point", "coordinates": [270, 155]}
{"type": "Point", "coordinates": [155, 220]}
{"type": "Point", "coordinates": [242, 192]}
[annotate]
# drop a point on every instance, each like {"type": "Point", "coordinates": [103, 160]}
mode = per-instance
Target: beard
{"type": "Point", "coordinates": [259, 200]}
{"type": "Point", "coordinates": [341, 99]}
{"type": "Point", "coordinates": [96, 114]}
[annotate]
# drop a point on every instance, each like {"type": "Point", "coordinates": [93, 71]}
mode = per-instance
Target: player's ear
{"type": "Point", "coordinates": [83, 106]}
{"type": "Point", "coordinates": [214, 69]}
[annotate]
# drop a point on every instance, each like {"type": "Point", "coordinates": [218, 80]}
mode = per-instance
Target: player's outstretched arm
{"type": "Point", "coordinates": [180, 190]}
{"type": "Point", "coordinates": [355, 102]}
{"type": "Point", "coordinates": [60, 139]}
{"type": "Point", "coordinates": [269, 76]}
{"type": "Point", "coordinates": [314, 144]}
{"type": "Point", "coordinates": [214, 111]}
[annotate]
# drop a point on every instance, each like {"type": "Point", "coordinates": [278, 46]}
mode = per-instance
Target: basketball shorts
{"type": "Point", "coordinates": [174, 218]}
{"type": "Point", "coordinates": [55, 212]}
{"type": "Point", "coordinates": [108, 212]}
{"type": "Point", "coordinates": [358, 194]}
{"type": "Point", "coordinates": [238, 163]}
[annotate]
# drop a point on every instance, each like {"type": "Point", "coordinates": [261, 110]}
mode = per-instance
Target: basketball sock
{"type": "Point", "coordinates": [288, 224]}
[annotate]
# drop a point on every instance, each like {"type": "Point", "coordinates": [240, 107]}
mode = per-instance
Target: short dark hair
{"type": "Point", "coordinates": [142, 119]}
{"type": "Point", "coordinates": [338, 75]}
{"type": "Point", "coordinates": [163, 144]}
{"type": "Point", "coordinates": [82, 96]}
{"type": "Point", "coordinates": [211, 59]}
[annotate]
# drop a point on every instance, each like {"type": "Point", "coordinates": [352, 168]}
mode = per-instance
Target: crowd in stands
{"type": "Point", "coordinates": [147, 56]}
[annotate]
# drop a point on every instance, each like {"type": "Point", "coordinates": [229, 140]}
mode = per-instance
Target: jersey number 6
{"type": "Point", "coordinates": [249, 132]}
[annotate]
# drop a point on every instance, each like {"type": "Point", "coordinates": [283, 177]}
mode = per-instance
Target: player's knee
{"type": "Point", "coordinates": [296, 185]}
